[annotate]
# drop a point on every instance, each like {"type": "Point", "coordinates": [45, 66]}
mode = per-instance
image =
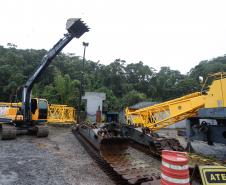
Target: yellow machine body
{"type": "Point", "coordinates": [55, 113]}
{"type": "Point", "coordinates": [10, 112]}
{"type": "Point", "coordinates": [39, 110]}
{"type": "Point", "coordinates": [167, 113]}
{"type": "Point", "coordinates": [216, 96]}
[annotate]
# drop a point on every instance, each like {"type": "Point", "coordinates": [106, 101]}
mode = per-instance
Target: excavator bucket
{"type": "Point", "coordinates": [76, 27]}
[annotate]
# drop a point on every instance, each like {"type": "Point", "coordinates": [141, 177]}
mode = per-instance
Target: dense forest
{"type": "Point", "coordinates": [124, 83]}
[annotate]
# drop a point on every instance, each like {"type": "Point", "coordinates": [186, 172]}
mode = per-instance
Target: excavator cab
{"type": "Point", "coordinates": [39, 109]}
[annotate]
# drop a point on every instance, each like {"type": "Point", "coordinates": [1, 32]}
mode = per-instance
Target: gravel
{"type": "Point", "coordinates": [56, 160]}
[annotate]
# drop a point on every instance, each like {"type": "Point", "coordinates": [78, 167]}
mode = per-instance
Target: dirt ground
{"type": "Point", "coordinates": [57, 160]}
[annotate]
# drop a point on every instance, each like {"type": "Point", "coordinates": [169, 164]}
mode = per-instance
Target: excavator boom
{"type": "Point", "coordinates": [31, 116]}
{"type": "Point", "coordinates": [76, 28]}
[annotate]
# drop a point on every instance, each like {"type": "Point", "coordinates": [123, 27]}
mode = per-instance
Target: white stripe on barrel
{"type": "Point", "coordinates": [174, 168]}
{"type": "Point", "coordinates": [173, 180]}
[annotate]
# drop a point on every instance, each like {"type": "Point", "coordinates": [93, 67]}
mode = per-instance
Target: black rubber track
{"type": "Point", "coordinates": [96, 156]}
{"type": "Point", "coordinates": [106, 167]}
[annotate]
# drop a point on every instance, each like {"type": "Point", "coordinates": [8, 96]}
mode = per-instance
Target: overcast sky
{"type": "Point", "coordinates": [175, 33]}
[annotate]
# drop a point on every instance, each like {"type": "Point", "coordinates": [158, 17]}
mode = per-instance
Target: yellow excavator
{"type": "Point", "coordinates": [11, 111]}
{"type": "Point", "coordinates": [206, 110]}
{"type": "Point", "coordinates": [31, 115]}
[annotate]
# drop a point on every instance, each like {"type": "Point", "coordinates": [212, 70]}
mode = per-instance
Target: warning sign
{"type": "Point", "coordinates": [213, 175]}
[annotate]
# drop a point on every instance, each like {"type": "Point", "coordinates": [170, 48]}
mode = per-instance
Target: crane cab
{"type": "Point", "coordinates": [39, 109]}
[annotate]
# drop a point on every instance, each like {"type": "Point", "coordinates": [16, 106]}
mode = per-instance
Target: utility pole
{"type": "Point", "coordinates": [85, 44]}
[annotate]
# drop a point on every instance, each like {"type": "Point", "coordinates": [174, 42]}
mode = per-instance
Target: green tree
{"type": "Point", "coordinates": [124, 84]}
{"type": "Point", "coordinates": [132, 98]}
{"type": "Point", "coordinates": [66, 89]}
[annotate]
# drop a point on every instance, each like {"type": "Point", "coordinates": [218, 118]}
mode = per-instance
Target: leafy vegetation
{"type": "Point", "coordinates": [124, 84]}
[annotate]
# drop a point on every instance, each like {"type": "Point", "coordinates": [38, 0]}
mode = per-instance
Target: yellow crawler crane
{"type": "Point", "coordinates": [167, 113]}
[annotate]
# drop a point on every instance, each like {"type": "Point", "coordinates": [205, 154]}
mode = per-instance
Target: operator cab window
{"type": "Point", "coordinates": [42, 104]}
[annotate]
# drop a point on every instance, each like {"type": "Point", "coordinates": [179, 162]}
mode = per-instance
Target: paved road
{"type": "Point", "coordinates": [56, 160]}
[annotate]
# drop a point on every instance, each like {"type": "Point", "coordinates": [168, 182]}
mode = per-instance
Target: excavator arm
{"type": "Point", "coordinates": [76, 28]}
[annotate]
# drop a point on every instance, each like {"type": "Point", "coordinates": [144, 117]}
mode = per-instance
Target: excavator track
{"type": "Point", "coordinates": [114, 157]}
{"type": "Point", "coordinates": [8, 132]}
{"type": "Point", "coordinates": [42, 131]}
{"type": "Point", "coordinates": [163, 143]}
{"type": "Point", "coordinates": [133, 170]}
{"type": "Point", "coordinates": [153, 143]}
{"type": "Point", "coordinates": [97, 157]}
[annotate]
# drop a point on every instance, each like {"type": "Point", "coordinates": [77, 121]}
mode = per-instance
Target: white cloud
{"type": "Point", "coordinates": [172, 33]}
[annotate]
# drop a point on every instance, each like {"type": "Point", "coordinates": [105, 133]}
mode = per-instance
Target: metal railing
{"type": "Point", "coordinates": [61, 114]}
{"type": "Point", "coordinates": [56, 113]}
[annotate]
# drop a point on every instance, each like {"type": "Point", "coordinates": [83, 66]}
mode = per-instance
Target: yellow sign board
{"type": "Point", "coordinates": [213, 175]}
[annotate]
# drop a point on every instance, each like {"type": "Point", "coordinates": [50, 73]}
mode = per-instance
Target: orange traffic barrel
{"type": "Point", "coordinates": [174, 168]}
